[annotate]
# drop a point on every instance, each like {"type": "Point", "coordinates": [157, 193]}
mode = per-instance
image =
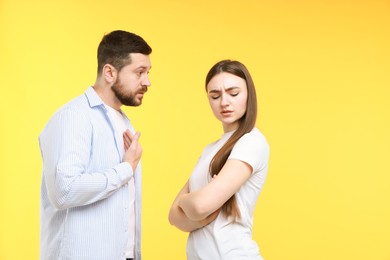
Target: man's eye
{"type": "Point", "coordinates": [140, 72]}
{"type": "Point", "coordinates": [214, 97]}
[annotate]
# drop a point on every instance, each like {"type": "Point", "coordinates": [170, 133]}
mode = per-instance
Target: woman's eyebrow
{"type": "Point", "coordinates": [226, 89]}
{"type": "Point", "coordinates": [231, 88]}
{"type": "Point", "coordinates": [214, 91]}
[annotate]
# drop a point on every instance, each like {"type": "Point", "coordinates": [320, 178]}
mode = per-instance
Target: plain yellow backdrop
{"type": "Point", "coordinates": [321, 69]}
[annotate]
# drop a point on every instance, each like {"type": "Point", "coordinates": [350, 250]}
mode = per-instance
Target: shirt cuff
{"type": "Point", "coordinates": [125, 172]}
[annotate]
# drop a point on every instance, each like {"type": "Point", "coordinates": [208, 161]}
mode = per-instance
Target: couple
{"type": "Point", "coordinates": [91, 182]}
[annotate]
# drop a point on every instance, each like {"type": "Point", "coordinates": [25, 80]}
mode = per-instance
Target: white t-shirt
{"type": "Point", "coordinates": [120, 127]}
{"type": "Point", "coordinates": [224, 239]}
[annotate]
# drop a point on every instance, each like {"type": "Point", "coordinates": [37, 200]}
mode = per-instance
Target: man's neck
{"type": "Point", "coordinates": [108, 97]}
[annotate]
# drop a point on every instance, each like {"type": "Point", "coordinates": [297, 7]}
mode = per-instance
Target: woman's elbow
{"type": "Point", "coordinates": [171, 218]}
{"type": "Point", "coordinates": [176, 221]}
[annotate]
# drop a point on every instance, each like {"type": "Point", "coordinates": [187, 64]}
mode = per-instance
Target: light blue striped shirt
{"type": "Point", "coordinates": [84, 193]}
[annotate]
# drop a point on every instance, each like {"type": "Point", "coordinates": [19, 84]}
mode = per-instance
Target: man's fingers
{"type": "Point", "coordinates": [128, 134]}
{"type": "Point", "coordinates": [130, 139]}
{"type": "Point", "coordinates": [135, 138]}
{"type": "Point", "coordinates": [127, 138]}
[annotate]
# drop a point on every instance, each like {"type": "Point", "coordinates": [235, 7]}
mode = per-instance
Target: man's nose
{"type": "Point", "coordinates": [146, 81]}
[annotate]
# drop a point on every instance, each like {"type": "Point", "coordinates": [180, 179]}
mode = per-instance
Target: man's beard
{"type": "Point", "coordinates": [127, 99]}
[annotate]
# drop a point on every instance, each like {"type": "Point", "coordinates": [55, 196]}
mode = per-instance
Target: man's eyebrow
{"type": "Point", "coordinates": [142, 67]}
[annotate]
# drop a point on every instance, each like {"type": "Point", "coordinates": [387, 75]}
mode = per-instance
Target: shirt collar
{"type": "Point", "coordinates": [93, 98]}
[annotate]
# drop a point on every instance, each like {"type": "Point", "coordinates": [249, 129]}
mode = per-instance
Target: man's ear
{"type": "Point", "coordinates": [109, 74]}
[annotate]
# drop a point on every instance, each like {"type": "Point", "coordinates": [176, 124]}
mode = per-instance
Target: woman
{"type": "Point", "coordinates": [217, 203]}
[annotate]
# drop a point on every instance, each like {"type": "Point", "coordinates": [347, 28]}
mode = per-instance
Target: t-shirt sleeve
{"type": "Point", "coordinates": [253, 149]}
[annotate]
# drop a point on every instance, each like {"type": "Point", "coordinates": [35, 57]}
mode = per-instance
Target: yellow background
{"type": "Point", "coordinates": [321, 69]}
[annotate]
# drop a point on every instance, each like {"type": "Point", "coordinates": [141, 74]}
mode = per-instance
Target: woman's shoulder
{"type": "Point", "coordinates": [255, 137]}
{"type": "Point", "coordinates": [253, 149]}
{"type": "Point", "coordinates": [252, 143]}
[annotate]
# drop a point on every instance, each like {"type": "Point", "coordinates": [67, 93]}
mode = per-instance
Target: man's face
{"type": "Point", "coordinates": [133, 81]}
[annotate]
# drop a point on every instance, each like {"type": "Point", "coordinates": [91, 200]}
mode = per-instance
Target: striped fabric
{"type": "Point", "coordinates": [84, 194]}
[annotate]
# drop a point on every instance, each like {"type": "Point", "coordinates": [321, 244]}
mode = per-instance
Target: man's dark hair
{"type": "Point", "coordinates": [115, 49]}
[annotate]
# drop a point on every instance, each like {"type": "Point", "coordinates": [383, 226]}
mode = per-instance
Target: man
{"type": "Point", "coordinates": [91, 184]}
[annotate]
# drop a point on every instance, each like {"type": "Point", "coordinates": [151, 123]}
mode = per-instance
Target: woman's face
{"type": "Point", "coordinates": [228, 96]}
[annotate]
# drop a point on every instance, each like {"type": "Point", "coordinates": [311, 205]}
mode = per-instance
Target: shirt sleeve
{"type": "Point", "coordinates": [66, 149]}
{"type": "Point", "coordinates": [253, 149]}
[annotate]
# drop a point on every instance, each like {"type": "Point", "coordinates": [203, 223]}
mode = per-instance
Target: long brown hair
{"type": "Point", "coordinates": [246, 124]}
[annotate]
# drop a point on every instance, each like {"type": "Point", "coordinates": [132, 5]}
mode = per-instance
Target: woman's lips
{"type": "Point", "coordinates": [226, 112]}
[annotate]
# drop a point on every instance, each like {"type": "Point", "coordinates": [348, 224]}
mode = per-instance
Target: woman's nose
{"type": "Point", "coordinates": [224, 101]}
